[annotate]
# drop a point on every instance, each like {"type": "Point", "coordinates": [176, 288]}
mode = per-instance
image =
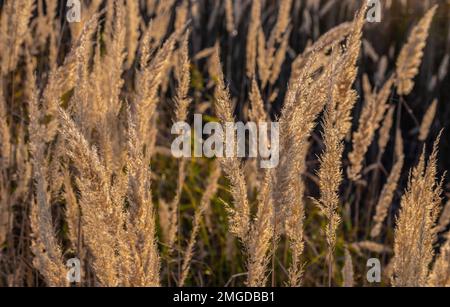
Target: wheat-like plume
{"type": "Point", "coordinates": [181, 18]}
{"type": "Point", "coordinates": [336, 125]}
{"type": "Point", "coordinates": [372, 247]}
{"type": "Point", "coordinates": [252, 38]}
{"type": "Point", "coordinates": [48, 255]}
{"type": "Point", "coordinates": [54, 33]}
{"type": "Point", "coordinates": [347, 271]}
{"type": "Point", "coordinates": [415, 231]}
{"type": "Point", "coordinates": [440, 274]}
{"type": "Point", "coordinates": [182, 102]}
{"type": "Point", "coordinates": [114, 60]}
{"type": "Point", "coordinates": [385, 131]}
{"type": "Point", "coordinates": [444, 220]}
{"type": "Point", "coordinates": [182, 75]}
{"type": "Point", "coordinates": [257, 244]}
{"type": "Point", "coordinates": [257, 112]}
{"type": "Point", "coordinates": [148, 81]}
{"type": "Point", "coordinates": [160, 23]}
{"type": "Point", "coordinates": [105, 91]}
{"type": "Point", "coordinates": [258, 115]}
{"type": "Point", "coordinates": [387, 194]}
{"type": "Point", "coordinates": [262, 225]}
{"type": "Point", "coordinates": [168, 222]}
{"type": "Point", "coordinates": [133, 29]}
{"type": "Point", "coordinates": [281, 25]}
{"type": "Point", "coordinates": [73, 212]}
{"type": "Point", "coordinates": [262, 59]}
{"type": "Point", "coordinates": [369, 122]}
{"type": "Point", "coordinates": [239, 215]}
{"type": "Point", "coordinates": [15, 19]}
{"type": "Point", "coordinates": [343, 93]}
{"type": "Point", "coordinates": [229, 15]}
{"type": "Point", "coordinates": [89, 10]}
{"type": "Point", "coordinates": [280, 34]}
{"type": "Point", "coordinates": [102, 217]}
{"type": "Point", "coordinates": [427, 121]}
{"type": "Point", "coordinates": [279, 57]}
{"type": "Point", "coordinates": [324, 43]}
{"type": "Point", "coordinates": [410, 57]}
{"type": "Point", "coordinates": [260, 241]}
{"type": "Point", "coordinates": [330, 178]}
{"type": "Point", "coordinates": [304, 101]}
{"type": "Point", "coordinates": [64, 78]}
{"type": "Point", "coordinates": [141, 222]}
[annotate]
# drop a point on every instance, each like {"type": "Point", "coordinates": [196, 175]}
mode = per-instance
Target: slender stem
{"type": "Point", "coordinates": [330, 266]}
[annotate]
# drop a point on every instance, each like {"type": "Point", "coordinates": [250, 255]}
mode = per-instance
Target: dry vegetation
{"type": "Point", "coordinates": [86, 170]}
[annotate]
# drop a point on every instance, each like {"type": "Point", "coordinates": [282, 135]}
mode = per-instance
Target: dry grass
{"type": "Point", "coordinates": [86, 171]}
{"type": "Point", "coordinates": [416, 225]}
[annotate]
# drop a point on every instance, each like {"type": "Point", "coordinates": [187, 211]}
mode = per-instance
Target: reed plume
{"type": "Point", "coordinates": [372, 247]}
{"type": "Point", "coordinates": [148, 81]}
{"type": "Point", "coordinates": [262, 60]}
{"type": "Point", "coordinates": [304, 101]}
{"type": "Point", "coordinates": [440, 274]}
{"type": "Point", "coordinates": [14, 29]}
{"type": "Point", "coordinates": [281, 25]}
{"type": "Point", "coordinates": [240, 221]}
{"type": "Point", "coordinates": [444, 220]}
{"type": "Point", "coordinates": [323, 45]}
{"type": "Point", "coordinates": [427, 121]}
{"type": "Point", "coordinates": [410, 57]}
{"type": "Point", "coordinates": [369, 122]}
{"type": "Point", "coordinates": [102, 218]}
{"type": "Point", "coordinates": [347, 271]}
{"type": "Point", "coordinates": [239, 215]}
{"type": "Point", "coordinates": [415, 231]}
{"type": "Point", "coordinates": [330, 178]}
{"type": "Point", "coordinates": [387, 194]}
{"type": "Point", "coordinates": [280, 34]}
{"type": "Point", "coordinates": [385, 131]}
{"type": "Point", "coordinates": [259, 242]}
{"type": "Point", "coordinates": [252, 38]}
{"type": "Point", "coordinates": [145, 264]}
{"type": "Point", "coordinates": [229, 15]}
{"type": "Point", "coordinates": [343, 93]}
{"type": "Point", "coordinates": [182, 75]}
{"type": "Point", "coordinates": [48, 257]}
{"type": "Point", "coordinates": [133, 23]}
{"type": "Point", "coordinates": [336, 124]}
